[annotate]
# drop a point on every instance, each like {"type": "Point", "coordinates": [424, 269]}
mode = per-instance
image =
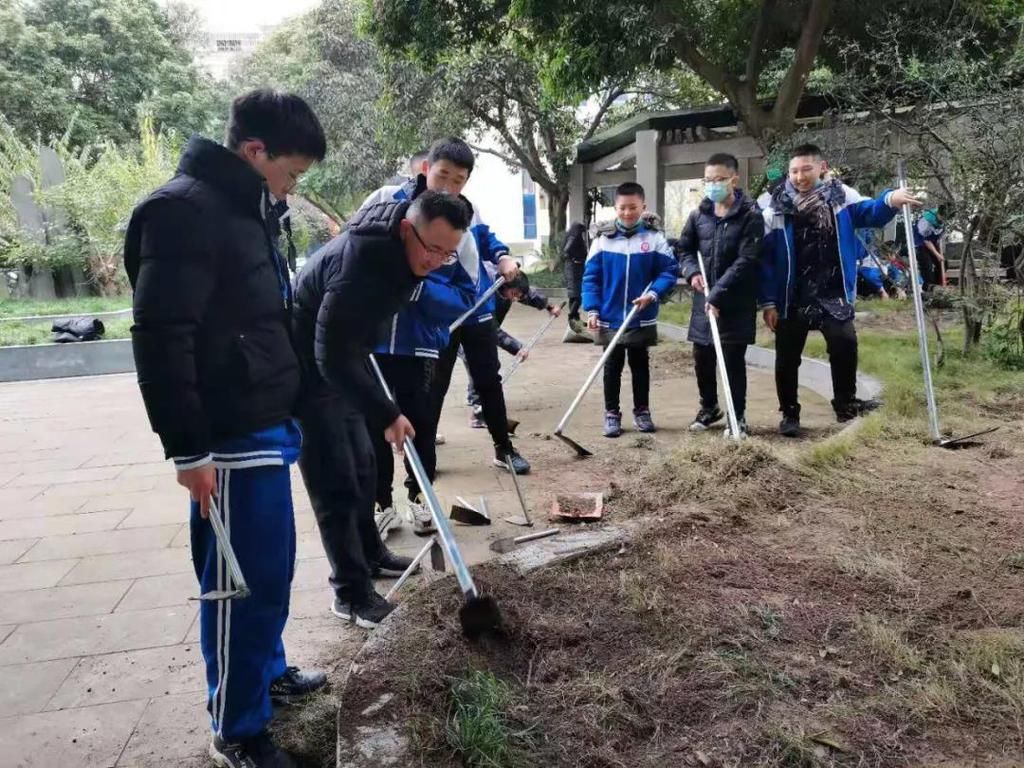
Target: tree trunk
{"type": "Point", "coordinates": [558, 215]}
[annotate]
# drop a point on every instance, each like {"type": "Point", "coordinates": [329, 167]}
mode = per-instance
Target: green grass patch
{"type": "Point", "coordinates": [81, 306]}
{"type": "Point", "coordinates": [480, 730]}
{"type": "Point", "coordinates": [545, 278]}
{"type": "Point", "coordinates": [14, 334]}
{"type": "Point", "coordinates": [676, 312]}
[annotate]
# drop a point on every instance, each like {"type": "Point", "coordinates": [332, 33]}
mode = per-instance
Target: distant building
{"type": "Point", "coordinates": [220, 51]}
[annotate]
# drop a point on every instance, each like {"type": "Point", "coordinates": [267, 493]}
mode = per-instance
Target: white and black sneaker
{"type": "Point", "coordinates": [744, 430]}
{"type": "Point", "coordinates": [706, 418]}
{"type": "Point", "coordinates": [367, 612]}
{"type": "Point", "coordinates": [258, 752]}
{"type": "Point", "coordinates": [418, 514]}
{"type": "Point", "coordinates": [386, 520]}
{"type": "Point", "coordinates": [390, 565]}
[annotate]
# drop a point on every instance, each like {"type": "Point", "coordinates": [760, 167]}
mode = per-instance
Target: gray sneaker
{"type": "Point", "coordinates": [613, 424]}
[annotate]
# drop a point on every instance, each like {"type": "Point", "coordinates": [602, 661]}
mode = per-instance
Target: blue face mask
{"type": "Point", "coordinates": [716, 191]}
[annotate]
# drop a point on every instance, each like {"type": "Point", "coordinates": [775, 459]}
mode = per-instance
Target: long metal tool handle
{"type": "Point", "coordinates": [531, 344]}
{"type": "Point", "coordinates": [600, 364]}
{"type": "Point", "coordinates": [922, 331]}
{"type": "Point", "coordinates": [519, 491]}
{"type": "Point", "coordinates": [444, 530]}
{"type": "Point", "coordinates": [730, 406]}
{"type": "Point", "coordinates": [226, 550]}
{"type": "Point", "coordinates": [479, 303]}
{"type": "Point", "coordinates": [538, 535]}
{"type": "Point", "coordinates": [411, 569]}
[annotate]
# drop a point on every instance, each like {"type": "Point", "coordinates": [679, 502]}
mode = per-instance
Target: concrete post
{"type": "Point", "coordinates": [577, 194]}
{"type": "Point", "coordinates": [648, 170]}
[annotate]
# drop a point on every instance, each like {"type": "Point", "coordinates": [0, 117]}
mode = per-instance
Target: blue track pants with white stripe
{"type": "Point", "coordinates": [241, 639]}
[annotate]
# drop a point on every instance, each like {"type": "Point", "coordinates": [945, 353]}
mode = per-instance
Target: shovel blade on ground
{"type": "Point", "coordinates": [581, 452]}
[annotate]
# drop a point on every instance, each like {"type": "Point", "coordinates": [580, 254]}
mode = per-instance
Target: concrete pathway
{"type": "Point", "coordinates": [98, 640]}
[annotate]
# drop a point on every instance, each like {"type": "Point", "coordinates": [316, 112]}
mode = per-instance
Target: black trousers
{"type": "Point", "coordinates": [639, 367]}
{"type": "Point", "coordinates": [338, 469]}
{"type": "Point", "coordinates": [574, 307]}
{"type": "Point", "coordinates": [410, 379]}
{"type": "Point", "coordinates": [480, 347]}
{"type": "Point", "coordinates": [841, 340]}
{"type": "Point", "coordinates": [705, 363]}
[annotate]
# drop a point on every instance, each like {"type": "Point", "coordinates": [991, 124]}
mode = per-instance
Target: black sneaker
{"type": "Point", "coordinates": [510, 454]}
{"type": "Point", "coordinates": [790, 424]}
{"type": "Point", "coordinates": [258, 752]}
{"type": "Point", "coordinates": [705, 418]}
{"type": "Point", "coordinates": [390, 564]}
{"type": "Point", "coordinates": [366, 613]}
{"type": "Point", "coordinates": [295, 685]}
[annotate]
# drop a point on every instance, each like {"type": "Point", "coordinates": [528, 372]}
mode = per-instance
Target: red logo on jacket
{"type": "Point", "coordinates": [645, 247]}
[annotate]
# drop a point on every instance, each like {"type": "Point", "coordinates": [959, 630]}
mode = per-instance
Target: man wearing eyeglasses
{"type": "Point", "coordinates": [345, 293]}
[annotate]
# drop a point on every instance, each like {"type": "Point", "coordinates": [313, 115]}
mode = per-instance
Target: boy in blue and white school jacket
{"type": "Point", "coordinates": [630, 264]}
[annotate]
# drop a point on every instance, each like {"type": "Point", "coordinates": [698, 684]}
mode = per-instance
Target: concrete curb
{"type": "Point", "coordinates": [61, 361]}
{"type": "Point", "coordinates": [815, 375]}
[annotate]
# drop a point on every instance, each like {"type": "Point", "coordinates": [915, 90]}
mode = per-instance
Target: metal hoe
{"type": "Point", "coordinates": [241, 589]}
{"type": "Point", "coordinates": [502, 546]}
{"type": "Point", "coordinates": [582, 452]}
{"type": "Point", "coordinates": [922, 333]}
{"type": "Point", "coordinates": [530, 345]}
{"type": "Point", "coordinates": [526, 522]}
{"type": "Point", "coordinates": [730, 406]}
{"type": "Point", "coordinates": [479, 303]}
{"type": "Point", "coordinates": [479, 613]}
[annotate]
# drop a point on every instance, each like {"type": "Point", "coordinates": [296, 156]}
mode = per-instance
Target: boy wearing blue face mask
{"type": "Point", "coordinates": [726, 229]}
{"type": "Point", "coordinates": [630, 264]}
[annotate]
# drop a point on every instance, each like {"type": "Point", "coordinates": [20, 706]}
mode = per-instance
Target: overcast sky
{"type": "Point", "coordinates": [248, 15]}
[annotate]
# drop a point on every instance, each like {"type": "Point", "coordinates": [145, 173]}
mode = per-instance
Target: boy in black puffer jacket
{"type": "Point", "coordinates": [727, 229]}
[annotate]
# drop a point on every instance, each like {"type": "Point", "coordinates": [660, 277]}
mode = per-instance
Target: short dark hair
{"type": "Point", "coordinates": [629, 189]}
{"type": "Point", "coordinates": [807, 150]}
{"type": "Point", "coordinates": [724, 158]}
{"type": "Point", "coordinates": [454, 150]}
{"type": "Point", "coordinates": [418, 157]}
{"type": "Point", "coordinates": [282, 121]}
{"type": "Point", "coordinates": [429, 206]}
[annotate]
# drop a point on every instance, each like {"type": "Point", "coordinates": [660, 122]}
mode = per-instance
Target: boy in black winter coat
{"type": "Point", "coordinates": [727, 229]}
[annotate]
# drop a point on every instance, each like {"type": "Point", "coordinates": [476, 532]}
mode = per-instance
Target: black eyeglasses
{"type": "Point", "coordinates": [450, 257]}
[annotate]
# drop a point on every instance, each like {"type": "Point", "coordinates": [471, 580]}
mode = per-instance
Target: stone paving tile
{"type": "Point", "coordinates": [61, 602]}
{"type": "Point", "coordinates": [129, 565]}
{"type": "Point", "coordinates": [60, 525]}
{"type": "Point", "coordinates": [183, 538]}
{"type": "Point", "coordinates": [174, 730]}
{"type": "Point", "coordinates": [61, 477]}
{"type": "Point", "coordinates": [93, 737]}
{"type": "Point", "coordinates": [160, 592]}
{"type": "Point", "coordinates": [310, 574]}
{"type": "Point", "coordinates": [28, 687]}
{"type": "Point", "coordinates": [13, 549]}
{"type": "Point", "coordinates": [104, 543]}
{"type": "Point", "coordinates": [159, 509]}
{"type": "Point", "coordinates": [124, 457]}
{"type": "Point", "coordinates": [88, 491]}
{"type": "Point", "coordinates": [152, 469]}
{"type": "Point", "coordinates": [10, 497]}
{"type": "Point", "coordinates": [144, 674]}
{"type": "Point", "coordinates": [67, 638]}
{"type": "Point", "coordinates": [116, 498]}
{"type": "Point", "coordinates": [40, 507]}
{"type": "Point", "coordinates": [15, 578]}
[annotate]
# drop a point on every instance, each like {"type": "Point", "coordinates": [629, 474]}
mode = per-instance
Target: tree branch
{"type": "Point", "coordinates": [506, 158]}
{"type": "Point", "coordinates": [753, 71]}
{"type": "Point", "coordinates": [613, 93]}
{"type": "Point", "coordinates": [793, 84]}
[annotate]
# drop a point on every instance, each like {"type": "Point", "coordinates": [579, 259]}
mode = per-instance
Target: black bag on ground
{"type": "Point", "coordinates": [77, 329]}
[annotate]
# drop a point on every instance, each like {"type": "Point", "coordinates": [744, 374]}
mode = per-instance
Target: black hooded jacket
{"type": "Point", "coordinates": [343, 294]}
{"type": "Point", "coordinates": [731, 248]}
{"type": "Point", "coordinates": [211, 339]}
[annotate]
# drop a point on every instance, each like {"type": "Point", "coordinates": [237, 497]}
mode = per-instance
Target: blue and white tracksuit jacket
{"type": "Point", "coordinates": [424, 330]}
{"type": "Point", "coordinates": [619, 269]}
{"type": "Point", "coordinates": [779, 265]}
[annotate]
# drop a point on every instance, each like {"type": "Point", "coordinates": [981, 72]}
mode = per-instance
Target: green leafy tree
{"type": "Point", "coordinates": [86, 66]}
{"type": "Point", "coordinates": [472, 68]}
